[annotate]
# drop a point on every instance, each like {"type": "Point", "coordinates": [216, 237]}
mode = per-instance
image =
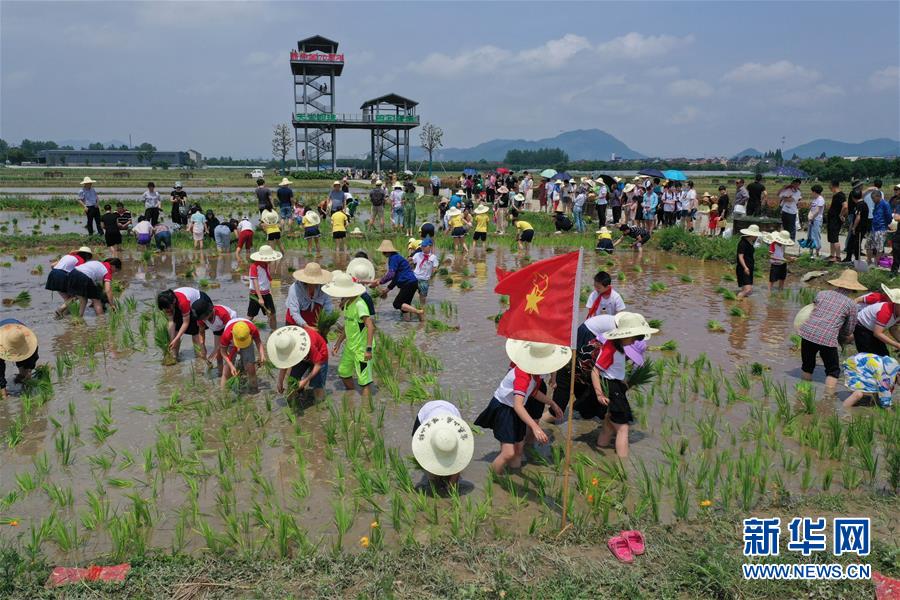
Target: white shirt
{"type": "Point", "coordinates": [96, 270]}
{"type": "Point", "coordinates": [151, 199]}
{"type": "Point", "coordinates": [684, 200]}
{"type": "Point", "coordinates": [436, 408]}
{"type": "Point", "coordinates": [600, 324]}
{"type": "Point", "coordinates": [424, 266]}
{"type": "Point", "coordinates": [669, 201]}
{"type": "Point", "coordinates": [261, 274]}
{"type": "Point", "coordinates": [690, 200]}
{"type": "Point", "coordinates": [789, 199]}
{"type": "Point", "coordinates": [868, 316]}
{"type": "Point", "coordinates": [143, 227]}
{"type": "Point", "coordinates": [192, 294]}
{"type": "Point", "coordinates": [397, 198]}
{"type": "Point", "coordinates": [819, 202]}
{"type": "Point", "coordinates": [609, 305]}
{"type": "Point", "coordinates": [67, 263]}
{"type": "Point", "coordinates": [776, 256]}
{"type": "Point", "coordinates": [245, 225]}
{"type": "Point", "coordinates": [507, 390]}
{"type": "Point", "coordinates": [602, 191]}
{"type": "Point", "coordinates": [216, 322]}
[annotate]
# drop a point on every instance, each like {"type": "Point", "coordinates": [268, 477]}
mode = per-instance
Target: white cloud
{"type": "Point", "coordinates": [636, 46]}
{"type": "Point", "coordinates": [687, 114]}
{"type": "Point", "coordinates": [886, 79]}
{"type": "Point", "coordinates": [664, 72]}
{"type": "Point", "coordinates": [807, 96]}
{"type": "Point", "coordinates": [690, 88]}
{"type": "Point", "coordinates": [782, 70]}
{"type": "Point", "coordinates": [554, 53]}
{"type": "Point", "coordinates": [484, 59]}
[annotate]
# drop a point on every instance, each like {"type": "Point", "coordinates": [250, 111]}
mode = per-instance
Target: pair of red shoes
{"type": "Point", "coordinates": [626, 545]}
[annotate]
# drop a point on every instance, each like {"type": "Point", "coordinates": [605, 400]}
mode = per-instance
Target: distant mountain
{"type": "Point", "coordinates": [581, 144]}
{"type": "Point", "coordinates": [77, 144]}
{"type": "Point", "coordinates": [751, 152]}
{"type": "Point", "coordinates": [815, 148]}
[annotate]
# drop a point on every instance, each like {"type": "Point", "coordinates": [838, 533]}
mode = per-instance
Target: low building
{"type": "Point", "coordinates": [112, 158]}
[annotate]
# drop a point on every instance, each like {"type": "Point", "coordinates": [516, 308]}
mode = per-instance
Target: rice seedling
{"type": "Point", "coordinates": [737, 311]}
{"type": "Point", "coordinates": [806, 394]}
{"type": "Point", "coordinates": [850, 477]}
{"type": "Point", "coordinates": [707, 427]}
{"type": "Point", "coordinates": [343, 519]}
{"type": "Point", "coordinates": [658, 286]}
{"type": "Point", "coordinates": [637, 269]}
{"type": "Point", "coordinates": [686, 279]}
{"type": "Point", "coordinates": [327, 320]}
{"type": "Point", "coordinates": [620, 276]}
{"type": "Point", "coordinates": [63, 444]}
{"type": "Point", "coordinates": [655, 323]}
{"type": "Point", "coordinates": [714, 326]}
{"type": "Point", "coordinates": [669, 346]}
{"type": "Point", "coordinates": [670, 267]}
{"type": "Point", "coordinates": [743, 379]}
{"type": "Point", "coordinates": [102, 427]}
{"type": "Point", "coordinates": [827, 478]}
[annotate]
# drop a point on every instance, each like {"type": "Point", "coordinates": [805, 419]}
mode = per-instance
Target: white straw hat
{"type": "Point", "coordinates": [314, 217]}
{"type": "Point", "coordinates": [87, 180]}
{"type": "Point", "coordinates": [753, 230]}
{"type": "Point", "coordinates": [265, 254]}
{"type": "Point", "coordinates": [285, 181]}
{"type": "Point", "coordinates": [803, 316]}
{"type": "Point", "coordinates": [287, 346]}
{"type": "Point", "coordinates": [453, 212]}
{"type": "Point", "coordinates": [343, 286]}
{"type": "Point", "coordinates": [443, 445]}
{"type": "Point", "coordinates": [519, 198]}
{"type": "Point", "coordinates": [85, 249]}
{"type": "Point", "coordinates": [378, 182]}
{"type": "Point", "coordinates": [629, 324]}
{"type": "Point", "coordinates": [361, 269]}
{"type": "Point", "coordinates": [17, 342]}
{"type": "Point", "coordinates": [481, 209]}
{"type": "Point", "coordinates": [537, 358]}
{"type": "Point", "coordinates": [312, 273]}
{"type": "Point", "coordinates": [629, 187]}
{"type": "Point", "coordinates": [892, 294]}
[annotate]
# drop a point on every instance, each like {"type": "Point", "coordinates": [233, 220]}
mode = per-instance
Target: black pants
{"type": "Point", "coordinates": [830, 358]}
{"type": "Point", "coordinates": [753, 208]}
{"type": "Point", "coordinates": [867, 342]}
{"type": "Point", "coordinates": [152, 215]}
{"type": "Point", "coordinates": [601, 214]}
{"type": "Point", "coordinates": [789, 222]}
{"type": "Point", "coordinates": [93, 214]}
{"type": "Point", "coordinates": [895, 254]}
{"type": "Point", "coordinates": [854, 242]}
{"type": "Point", "coordinates": [617, 214]}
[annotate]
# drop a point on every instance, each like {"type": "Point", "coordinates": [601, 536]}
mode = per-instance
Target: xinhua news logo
{"type": "Point", "coordinates": [762, 538]}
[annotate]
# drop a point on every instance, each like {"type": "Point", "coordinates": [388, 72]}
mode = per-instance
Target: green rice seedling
{"type": "Point", "coordinates": [102, 427]}
{"type": "Point", "coordinates": [714, 326]}
{"type": "Point", "coordinates": [827, 478]}
{"type": "Point", "coordinates": [59, 495]}
{"type": "Point", "coordinates": [669, 346]}
{"type": "Point", "coordinates": [26, 482]}
{"type": "Point", "coordinates": [658, 286]}
{"type": "Point", "coordinates": [707, 427]}
{"type": "Point", "coordinates": [743, 379]}
{"type": "Point", "coordinates": [448, 281]}
{"type": "Point", "coordinates": [23, 298]}
{"type": "Point", "coordinates": [737, 311]}
{"type": "Point", "coordinates": [892, 465]}
{"type": "Point", "coordinates": [63, 444]}
{"type": "Point", "coordinates": [65, 535]}
{"type": "Point", "coordinates": [655, 323]}
{"type": "Point", "coordinates": [343, 519]}
{"type": "Point", "coordinates": [120, 483]}
{"type": "Point", "coordinates": [868, 460]}
{"type": "Point", "coordinates": [806, 394]}
{"type": "Point", "coordinates": [795, 341]}
{"type": "Point", "coordinates": [686, 279]}
{"type": "Point", "coordinates": [670, 267]}
{"type": "Point", "coordinates": [620, 276]}
{"type": "Point", "coordinates": [637, 269]}
{"type": "Point", "coordinates": [850, 477]}
{"type": "Point", "coordinates": [682, 501]}
{"type": "Point", "coordinates": [781, 401]}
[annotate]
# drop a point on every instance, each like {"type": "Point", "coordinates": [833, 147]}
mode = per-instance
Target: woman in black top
{"type": "Point", "coordinates": [857, 223]}
{"type": "Point", "coordinates": [745, 260]}
{"type": "Point", "coordinates": [833, 220]}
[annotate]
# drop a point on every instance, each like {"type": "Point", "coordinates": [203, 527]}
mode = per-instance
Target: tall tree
{"type": "Point", "coordinates": [281, 144]}
{"type": "Point", "coordinates": [431, 138]}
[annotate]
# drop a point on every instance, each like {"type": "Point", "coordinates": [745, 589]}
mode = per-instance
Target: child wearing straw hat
{"type": "Point", "coordinates": [238, 337]}
{"type": "Point", "coordinates": [508, 414]}
{"type": "Point", "coordinates": [270, 221]}
{"type": "Point", "coordinates": [358, 332]}
{"type": "Point", "coordinates": [261, 284]}
{"type": "Point", "coordinates": [302, 353]}
{"type": "Point", "coordinates": [339, 220]}
{"type": "Point", "coordinates": [19, 345]}
{"type": "Point", "coordinates": [306, 300]}
{"type": "Point", "coordinates": [608, 379]}
{"type": "Point", "coordinates": [745, 262]}
{"type": "Point", "coordinates": [311, 220]}
{"type": "Point", "coordinates": [442, 442]}
{"type": "Point", "coordinates": [777, 242]}
{"type": "Point", "coordinates": [482, 220]}
{"type": "Point", "coordinates": [361, 269]}
{"type": "Point", "coordinates": [400, 275]}
{"type": "Point", "coordinates": [456, 223]}
{"type": "Point", "coordinates": [58, 278]}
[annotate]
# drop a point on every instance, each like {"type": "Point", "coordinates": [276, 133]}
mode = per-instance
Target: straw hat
{"type": "Point", "coordinates": [17, 342]}
{"type": "Point", "coordinates": [314, 217]}
{"type": "Point", "coordinates": [285, 181]}
{"type": "Point", "coordinates": [803, 316]}
{"type": "Point", "coordinates": [398, 186]}
{"type": "Point", "coordinates": [480, 209]}
{"type": "Point", "coordinates": [629, 324]}
{"type": "Point", "coordinates": [413, 243]}
{"type": "Point", "coordinates": [343, 286]}
{"type": "Point", "coordinates": [386, 246]}
{"type": "Point", "coordinates": [453, 212]}
{"type": "Point", "coordinates": [459, 193]}
{"type": "Point", "coordinates": [848, 280]}
{"type": "Point", "coordinates": [313, 273]}
{"type": "Point", "coordinates": [361, 269]}
{"type": "Point", "coordinates": [288, 346]}
{"type": "Point", "coordinates": [503, 190]}
{"type": "Point", "coordinates": [536, 358]}
{"type": "Point", "coordinates": [86, 250]}
{"type": "Point", "coordinates": [753, 230]}
{"type": "Point", "coordinates": [629, 187]}
{"type": "Point", "coordinates": [519, 198]}
{"type": "Point", "coordinates": [892, 294]}
{"type": "Point", "coordinates": [443, 445]}
{"type": "Point", "coordinates": [335, 183]}
{"type": "Point", "coordinates": [356, 231]}
{"type": "Point", "coordinates": [87, 180]}
{"type": "Point", "coordinates": [240, 333]}
{"type": "Point", "coordinates": [782, 237]}
{"type": "Point", "coordinates": [706, 195]}
{"type": "Point", "coordinates": [617, 179]}
{"type": "Point", "coordinates": [378, 182]}
{"type": "Point", "coordinates": [714, 207]}
{"type": "Point", "coordinates": [265, 254]}
{"type": "Point", "coordinates": [587, 180]}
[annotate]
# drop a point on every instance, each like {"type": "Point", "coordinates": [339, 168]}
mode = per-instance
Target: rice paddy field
{"type": "Point", "coordinates": [108, 456]}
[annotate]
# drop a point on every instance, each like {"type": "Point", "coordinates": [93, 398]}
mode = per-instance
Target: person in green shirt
{"type": "Point", "coordinates": [358, 334]}
{"type": "Point", "coordinates": [409, 208]}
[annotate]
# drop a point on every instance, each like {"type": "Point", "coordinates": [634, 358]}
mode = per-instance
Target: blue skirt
{"type": "Point", "coordinates": [311, 232]}
{"type": "Point", "coordinates": [508, 428]}
{"type": "Point", "coordinates": [58, 281]}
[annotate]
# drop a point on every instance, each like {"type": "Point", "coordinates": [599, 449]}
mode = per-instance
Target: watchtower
{"type": "Point", "coordinates": [393, 117]}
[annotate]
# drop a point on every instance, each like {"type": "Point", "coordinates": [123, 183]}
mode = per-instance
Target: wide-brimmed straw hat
{"type": "Point", "coordinates": [892, 293]}
{"type": "Point", "coordinates": [312, 272]}
{"type": "Point", "coordinates": [782, 237]}
{"type": "Point", "coordinates": [443, 445]}
{"type": "Point", "coordinates": [480, 209]}
{"type": "Point", "coordinates": [335, 183]}
{"type": "Point", "coordinates": [617, 179]}
{"type": "Point", "coordinates": [177, 185]}
{"type": "Point", "coordinates": [753, 230]}
{"type": "Point", "coordinates": [629, 324]}
{"type": "Point", "coordinates": [343, 286]}
{"type": "Point", "coordinates": [803, 316]}
{"type": "Point", "coordinates": [87, 180]}
{"type": "Point", "coordinates": [86, 250]}
{"type": "Point", "coordinates": [537, 358]}
{"type": "Point", "coordinates": [413, 243]}
{"type": "Point", "coordinates": [285, 181]}
{"type": "Point", "coordinates": [266, 254]}
{"type": "Point", "coordinates": [356, 231]}
{"type": "Point", "coordinates": [503, 190]}
{"type": "Point", "coordinates": [378, 182]}
{"type": "Point", "coordinates": [519, 198]}
{"type": "Point", "coordinates": [386, 246]}
{"type": "Point", "coordinates": [361, 269]}
{"type": "Point", "coordinates": [240, 335]}
{"type": "Point", "coordinates": [398, 186]}
{"type": "Point", "coordinates": [629, 187]}
{"type": "Point", "coordinates": [848, 280]}
{"type": "Point", "coordinates": [453, 212]}
{"type": "Point", "coordinates": [314, 217]}
{"type": "Point", "coordinates": [17, 342]}
{"type": "Point", "coordinates": [288, 346]}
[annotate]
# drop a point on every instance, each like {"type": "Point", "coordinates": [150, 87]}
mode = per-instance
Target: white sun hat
{"type": "Point", "coordinates": [892, 293]}
{"type": "Point", "coordinates": [803, 316]}
{"type": "Point", "coordinates": [87, 180]}
{"type": "Point", "coordinates": [85, 249]}
{"type": "Point", "coordinates": [753, 230]}
{"type": "Point", "coordinates": [265, 254]}
{"type": "Point", "coordinates": [361, 269]}
{"type": "Point", "coordinates": [343, 286]}
{"type": "Point", "coordinates": [443, 445]}
{"type": "Point", "coordinates": [285, 181]}
{"type": "Point", "coordinates": [314, 217]}
{"type": "Point", "coordinates": [537, 358]}
{"type": "Point", "coordinates": [629, 324]}
{"type": "Point", "coordinates": [288, 346]}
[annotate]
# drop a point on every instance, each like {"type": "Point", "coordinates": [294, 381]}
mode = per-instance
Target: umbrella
{"type": "Point", "coordinates": [674, 175]}
{"type": "Point", "coordinates": [652, 173]}
{"type": "Point", "coordinates": [794, 172]}
{"type": "Point", "coordinates": [548, 173]}
{"type": "Point", "coordinates": [502, 170]}
{"type": "Point", "coordinates": [469, 171]}
{"type": "Point", "coordinates": [562, 176]}
{"type": "Point", "coordinates": [408, 172]}
{"type": "Point", "coordinates": [608, 180]}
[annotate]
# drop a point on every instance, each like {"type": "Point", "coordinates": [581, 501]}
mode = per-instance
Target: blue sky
{"type": "Point", "coordinates": [667, 78]}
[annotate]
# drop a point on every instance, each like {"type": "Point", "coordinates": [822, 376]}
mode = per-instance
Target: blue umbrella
{"type": "Point", "coordinates": [562, 176]}
{"type": "Point", "coordinates": [674, 175]}
{"type": "Point", "coordinates": [787, 171]}
{"type": "Point", "coordinates": [652, 173]}
{"type": "Point", "coordinates": [548, 173]}
{"type": "Point", "coordinates": [469, 171]}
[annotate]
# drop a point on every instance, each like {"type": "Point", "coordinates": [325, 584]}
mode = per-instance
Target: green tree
{"type": "Point", "coordinates": [281, 143]}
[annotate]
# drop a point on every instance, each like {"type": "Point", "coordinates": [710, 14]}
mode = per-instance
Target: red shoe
{"type": "Point", "coordinates": [635, 541]}
{"type": "Point", "coordinates": [619, 547]}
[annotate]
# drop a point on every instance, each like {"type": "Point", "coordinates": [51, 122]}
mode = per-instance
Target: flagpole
{"type": "Point", "coordinates": [574, 347]}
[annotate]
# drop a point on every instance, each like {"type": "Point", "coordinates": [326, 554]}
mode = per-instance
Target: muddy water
{"type": "Point", "coordinates": [473, 363]}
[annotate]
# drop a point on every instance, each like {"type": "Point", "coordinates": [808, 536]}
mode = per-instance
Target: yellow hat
{"type": "Point", "coordinates": [240, 332]}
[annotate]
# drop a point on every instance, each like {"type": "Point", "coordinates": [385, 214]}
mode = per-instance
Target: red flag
{"type": "Point", "coordinates": [543, 301]}
{"type": "Point", "coordinates": [501, 274]}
